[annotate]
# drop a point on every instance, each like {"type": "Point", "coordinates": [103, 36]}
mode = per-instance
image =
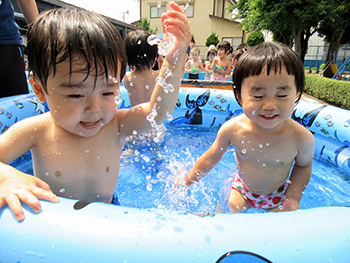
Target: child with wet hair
{"type": "Point", "coordinates": [140, 81]}
{"type": "Point", "coordinates": [273, 152]}
{"type": "Point", "coordinates": [194, 65]}
{"type": "Point", "coordinates": [78, 61]}
{"type": "Point", "coordinates": [221, 65]}
{"type": "Point", "coordinates": [211, 54]}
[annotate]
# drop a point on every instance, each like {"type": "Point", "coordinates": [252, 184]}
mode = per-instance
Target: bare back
{"type": "Point", "coordinates": [140, 85]}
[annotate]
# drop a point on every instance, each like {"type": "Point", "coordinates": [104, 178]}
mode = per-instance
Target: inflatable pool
{"type": "Point", "coordinates": [107, 233]}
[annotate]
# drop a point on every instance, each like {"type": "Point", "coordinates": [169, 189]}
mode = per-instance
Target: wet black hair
{"type": "Point", "coordinates": [225, 45]}
{"type": "Point", "coordinates": [65, 34]}
{"type": "Point", "coordinates": [138, 52]}
{"type": "Point", "coordinates": [272, 56]}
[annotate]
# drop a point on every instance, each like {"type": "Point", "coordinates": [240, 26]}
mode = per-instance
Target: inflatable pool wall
{"type": "Point", "coordinates": [106, 233]}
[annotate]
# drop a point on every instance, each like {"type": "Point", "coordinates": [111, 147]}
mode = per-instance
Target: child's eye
{"type": "Point", "coordinates": [282, 96]}
{"type": "Point", "coordinates": [108, 94]}
{"type": "Point", "coordinates": [258, 97]}
{"type": "Point", "coordinates": [75, 96]}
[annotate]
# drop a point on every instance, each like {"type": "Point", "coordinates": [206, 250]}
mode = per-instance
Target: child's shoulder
{"type": "Point", "coordinates": [300, 132]}
{"type": "Point", "coordinates": [31, 126]}
{"type": "Point", "coordinates": [233, 124]}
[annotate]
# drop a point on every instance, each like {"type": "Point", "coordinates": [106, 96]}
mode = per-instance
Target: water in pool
{"type": "Point", "coordinates": [148, 174]}
{"type": "Point", "coordinates": [147, 180]}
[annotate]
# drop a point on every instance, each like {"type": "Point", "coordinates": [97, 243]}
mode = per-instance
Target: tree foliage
{"type": "Point", "coordinates": [213, 39]}
{"type": "Point", "coordinates": [335, 28]}
{"type": "Point", "coordinates": [145, 24]}
{"type": "Point", "coordinates": [255, 38]}
{"type": "Point", "coordinates": [284, 18]}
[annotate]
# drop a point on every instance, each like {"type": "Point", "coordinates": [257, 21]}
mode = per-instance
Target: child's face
{"type": "Point", "coordinates": [211, 57]}
{"type": "Point", "coordinates": [268, 100]}
{"type": "Point", "coordinates": [222, 52]}
{"type": "Point", "coordinates": [76, 104]}
{"type": "Point", "coordinates": [194, 55]}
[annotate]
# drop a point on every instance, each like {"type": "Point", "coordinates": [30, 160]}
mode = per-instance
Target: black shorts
{"type": "Point", "coordinates": [193, 76]}
{"type": "Point", "coordinates": [13, 80]}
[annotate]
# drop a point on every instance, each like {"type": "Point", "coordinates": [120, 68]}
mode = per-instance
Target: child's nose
{"type": "Point", "coordinates": [93, 105]}
{"type": "Point", "coordinates": [269, 104]}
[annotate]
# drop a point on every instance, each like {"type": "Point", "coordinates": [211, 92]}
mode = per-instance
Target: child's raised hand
{"type": "Point", "coordinates": [176, 25]}
{"type": "Point", "coordinates": [25, 188]}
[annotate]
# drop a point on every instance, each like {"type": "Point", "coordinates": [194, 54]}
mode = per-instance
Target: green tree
{"type": "Point", "coordinates": [299, 19]}
{"type": "Point", "coordinates": [213, 39]}
{"type": "Point", "coordinates": [145, 24]}
{"type": "Point", "coordinates": [335, 28]}
{"type": "Point", "coordinates": [255, 38]}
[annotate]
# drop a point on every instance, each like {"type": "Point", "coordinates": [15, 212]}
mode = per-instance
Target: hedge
{"type": "Point", "coordinates": [330, 91]}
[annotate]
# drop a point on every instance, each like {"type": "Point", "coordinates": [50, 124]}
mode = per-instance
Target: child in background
{"type": "Point", "coordinates": [269, 80]}
{"type": "Point", "coordinates": [221, 64]}
{"type": "Point", "coordinates": [141, 80]}
{"type": "Point", "coordinates": [235, 56]}
{"type": "Point", "coordinates": [211, 54]}
{"type": "Point", "coordinates": [76, 146]}
{"type": "Point", "coordinates": [193, 65]}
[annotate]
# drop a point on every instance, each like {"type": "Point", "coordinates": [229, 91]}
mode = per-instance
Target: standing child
{"type": "Point", "coordinates": [78, 61]}
{"type": "Point", "coordinates": [140, 81]}
{"type": "Point", "coordinates": [269, 80]}
{"type": "Point", "coordinates": [221, 65]}
{"type": "Point", "coordinates": [193, 65]}
{"type": "Point", "coordinates": [211, 54]}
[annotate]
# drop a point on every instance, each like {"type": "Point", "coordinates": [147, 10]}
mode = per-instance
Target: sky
{"type": "Point", "coordinates": [116, 9]}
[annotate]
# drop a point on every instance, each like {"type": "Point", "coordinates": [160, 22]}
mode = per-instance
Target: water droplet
{"type": "Point", "coordinates": [264, 164]}
{"type": "Point", "coordinates": [147, 87]}
{"type": "Point", "coordinates": [260, 145]}
{"type": "Point", "coordinates": [267, 144]}
{"type": "Point", "coordinates": [244, 151]}
{"type": "Point", "coordinates": [253, 113]}
{"type": "Point", "coordinates": [134, 132]}
{"type": "Point", "coordinates": [86, 151]}
{"type": "Point", "coordinates": [139, 42]}
{"type": "Point", "coordinates": [62, 190]}
{"type": "Point", "coordinates": [277, 160]}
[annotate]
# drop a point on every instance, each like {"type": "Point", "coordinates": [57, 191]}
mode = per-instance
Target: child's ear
{"type": "Point", "coordinates": [238, 97]}
{"type": "Point", "coordinates": [38, 90]}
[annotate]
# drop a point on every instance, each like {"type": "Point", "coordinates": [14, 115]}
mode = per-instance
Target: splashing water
{"type": "Point", "coordinates": [163, 44]}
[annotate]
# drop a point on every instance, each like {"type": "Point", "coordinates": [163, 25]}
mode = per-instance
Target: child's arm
{"type": "Point", "coordinates": [210, 158]}
{"type": "Point", "coordinates": [301, 173]}
{"type": "Point", "coordinates": [176, 25]}
{"type": "Point", "coordinates": [29, 9]}
{"type": "Point", "coordinates": [16, 186]}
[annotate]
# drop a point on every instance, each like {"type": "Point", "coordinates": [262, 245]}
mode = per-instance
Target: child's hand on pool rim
{"type": "Point", "coordinates": [25, 188]}
{"type": "Point", "coordinates": [290, 204]}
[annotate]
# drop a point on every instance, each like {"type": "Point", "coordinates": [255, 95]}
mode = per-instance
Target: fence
{"type": "Point", "coordinates": [316, 55]}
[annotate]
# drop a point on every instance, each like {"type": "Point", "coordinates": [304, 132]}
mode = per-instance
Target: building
{"type": "Point", "coordinates": [206, 16]}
